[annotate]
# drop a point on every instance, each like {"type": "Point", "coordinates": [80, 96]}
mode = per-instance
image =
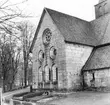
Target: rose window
{"type": "Point", "coordinates": [47, 36]}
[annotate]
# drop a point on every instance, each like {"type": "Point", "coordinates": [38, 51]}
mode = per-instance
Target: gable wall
{"type": "Point", "coordinates": [58, 42]}
{"type": "Point", "coordinates": [76, 57]}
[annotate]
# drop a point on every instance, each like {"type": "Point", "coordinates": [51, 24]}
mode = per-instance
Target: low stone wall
{"type": "Point", "coordinates": [97, 79]}
{"type": "Point", "coordinates": [6, 97]}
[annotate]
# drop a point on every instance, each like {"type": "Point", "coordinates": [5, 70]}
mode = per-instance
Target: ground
{"type": "Point", "coordinates": [84, 98]}
{"type": "Point", "coordinates": [75, 98]}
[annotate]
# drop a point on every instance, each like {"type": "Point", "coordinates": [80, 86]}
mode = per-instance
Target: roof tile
{"type": "Point", "coordinates": [73, 29]}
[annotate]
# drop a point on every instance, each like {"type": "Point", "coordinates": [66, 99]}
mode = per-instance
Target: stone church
{"type": "Point", "coordinates": [71, 53]}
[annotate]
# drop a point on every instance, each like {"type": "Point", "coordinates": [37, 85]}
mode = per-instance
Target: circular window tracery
{"type": "Point", "coordinates": [40, 74]}
{"type": "Point", "coordinates": [54, 73]}
{"type": "Point", "coordinates": [47, 72]}
{"type": "Point", "coordinates": [47, 36]}
{"type": "Point", "coordinates": [41, 55]}
{"type": "Point", "coordinates": [53, 52]}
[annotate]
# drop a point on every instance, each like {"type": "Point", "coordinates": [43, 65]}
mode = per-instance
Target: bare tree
{"type": "Point", "coordinates": [13, 45]}
{"type": "Point", "coordinates": [8, 14]}
{"type": "Point", "coordinates": [27, 33]}
{"type": "Point", "coordinates": [10, 57]}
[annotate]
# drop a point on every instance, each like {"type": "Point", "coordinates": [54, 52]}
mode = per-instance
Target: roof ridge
{"type": "Point", "coordinates": [65, 14]}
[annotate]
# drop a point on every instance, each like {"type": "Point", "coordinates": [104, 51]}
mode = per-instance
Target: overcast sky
{"type": "Point", "coordinates": [83, 9]}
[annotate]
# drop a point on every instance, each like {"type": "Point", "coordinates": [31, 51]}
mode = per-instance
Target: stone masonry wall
{"type": "Point", "coordinates": [57, 41]}
{"type": "Point", "coordinates": [76, 57]}
{"type": "Point", "coordinates": [102, 8]}
{"type": "Point", "coordinates": [101, 78]}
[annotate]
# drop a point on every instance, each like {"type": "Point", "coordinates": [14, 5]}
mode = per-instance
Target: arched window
{"type": "Point", "coordinates": [101, 10]}
{"type": "Point", "coordinates": [47, 71]}
{"type": "Point", "coordinates": [54, 73]}
{"type": "Point", "coordinates": [53, 52]}
{"type": "Point", "coordinates": [105, 8]}
{"type": "Point", "coordinates": [41, 56]}
{"type": "Point", "coordinates": [40, 73]}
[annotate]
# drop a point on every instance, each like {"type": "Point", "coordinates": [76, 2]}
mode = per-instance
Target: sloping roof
{"type": "Point", "coordinates": [76, 30]}
{"type": "Point", "coordinates": [73, 29]}
{"type": "Point", "coordinates": [100, 58]}
{"type": "Point", "coordinates": [101, 27]}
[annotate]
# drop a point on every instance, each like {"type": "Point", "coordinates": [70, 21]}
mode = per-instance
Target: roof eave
{"type": "Point", "coordinates": [79, 43]}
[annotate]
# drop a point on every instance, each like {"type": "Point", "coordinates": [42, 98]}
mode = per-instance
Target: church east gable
{"type": "Point", "coordinates": [48, 56]}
